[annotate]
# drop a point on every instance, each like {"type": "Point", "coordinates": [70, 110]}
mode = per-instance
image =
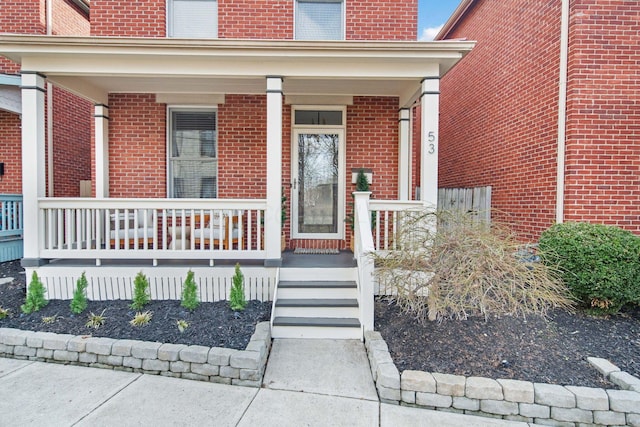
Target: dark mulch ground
{"type": "Point", "coordinates": [211, 324]}
{"type": "Point", "coordinates": [550, 351]}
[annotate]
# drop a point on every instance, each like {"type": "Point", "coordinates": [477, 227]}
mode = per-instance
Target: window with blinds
{"type": "Point", "coordinates": [319, 20]}
{"type": "Point", "coordinates": [193, 161]}
{"type": "Point", "coordinates": [192, 19]}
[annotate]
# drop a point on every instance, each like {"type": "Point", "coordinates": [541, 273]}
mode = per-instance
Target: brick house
{"type": "Point", "coordinates": [545, 110]}
{"type": "Point", "coordinates": [212, 124]}
{"type": "Point", "coordinates": [68, 135]}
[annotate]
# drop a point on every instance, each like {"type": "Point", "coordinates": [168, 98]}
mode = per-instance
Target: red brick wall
{"type": "Point", "coordinates": [20, 17]}
{"type": "Point", "coordinates": [242, 149]}
{"type": "Point", "coordinates": [68, 19]}
{"type": "Point", "coordinates": [23, 16]}
{"type": "Point", "coordinates": [137, 146]}
{"type": "Point", "coordinates": [10, 153]}
{"type": "Point", "coordinates": [255, 19]}
{"type": "Point", "coordinates": [72, 118]}
{"type": "Point", "coordinates": [498, 111]}
{"type": "Point", "coordinates": [603, 132]}
{"type": "Point", "coordinates": [125, 18]}
{"type": "Point", "coordinates": [382, 20]}
{"type": "Point", "coordinates": [71, 115]}
{"type": "Point", "coordinates": [372, 142]}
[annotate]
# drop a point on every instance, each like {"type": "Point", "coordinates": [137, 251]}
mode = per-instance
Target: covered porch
{"type": "Point", "coordinates": [197, 73]}
{"type": "Point", "coordinates": [255, 87]}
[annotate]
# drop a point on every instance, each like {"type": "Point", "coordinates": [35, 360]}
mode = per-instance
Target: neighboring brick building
{"type": "Point", "coordinates": [70, 115]}
{"type": "Point", "coordinates": [500, 111]}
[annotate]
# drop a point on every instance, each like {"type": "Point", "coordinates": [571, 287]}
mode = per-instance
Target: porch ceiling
{"type": "Point", "coordinates": [94, 67]}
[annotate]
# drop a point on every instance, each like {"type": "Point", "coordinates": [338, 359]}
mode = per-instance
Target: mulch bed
{"type": "Point", "coordinates": [552, 350]}
{"type": "Point", "coordinates": [211, 324]}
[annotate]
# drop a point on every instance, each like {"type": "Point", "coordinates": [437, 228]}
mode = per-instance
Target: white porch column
{"type": "Point", "coordinates": [430, 105]}
{"type": "Point", "coordinates": [33, 164]}
{"type": "Point", "coordinates": [101, 116]}
{"type": "Point", "coordinates": [272, 218]}
{"type": "Point", "coordinates": [404, 161]}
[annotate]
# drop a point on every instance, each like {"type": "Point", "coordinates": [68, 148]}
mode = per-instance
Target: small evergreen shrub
{"type": "Point", "coordinates": [362, 183]}
{"type": "Point", "coordinates": [140, 292]}
{"type": "Point", "coordinates": [79, 302]}
{"type": "Point", "coordinates": [599, 263]}
{"type": "Point", "coordinates": [237, 300]}
{"type": "Point", "coordinates": [189, 293]}
{"type": "Point", "coordinates": [35, 296]}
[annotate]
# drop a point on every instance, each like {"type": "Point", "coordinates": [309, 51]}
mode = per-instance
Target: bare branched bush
{"type": "Point", "coordinates": [450, 266]}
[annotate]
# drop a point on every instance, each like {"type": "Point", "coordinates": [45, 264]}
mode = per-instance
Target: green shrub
{"type": "Point", "coordinates": [599, 263]}
{"type": "Point", "coordinates": [140, 292]}
{"type": "Point", "coordinates": [79, 302]}
{"type": "Point", "coordinates": [189, 293]}
{"type": "Point", "coordinates": [237, 300]}
{"type": "Point", "coordinates": [35, 296]}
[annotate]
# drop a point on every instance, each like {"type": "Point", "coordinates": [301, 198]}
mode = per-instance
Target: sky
{"type": "Point", "coordinates": [432, 14]}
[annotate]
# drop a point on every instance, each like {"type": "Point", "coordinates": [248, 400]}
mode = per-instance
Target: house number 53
{"type": "Point", "coordinates": [431, 139]}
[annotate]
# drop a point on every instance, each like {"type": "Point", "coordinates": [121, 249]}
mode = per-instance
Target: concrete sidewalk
{"type": "Point", "coordinates": [39, 394]}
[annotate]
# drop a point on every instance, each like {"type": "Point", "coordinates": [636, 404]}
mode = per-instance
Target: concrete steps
{"type": "Point", "coordinates": [318, 307]}
{"type": "Point", "coordinates": [321, 303]}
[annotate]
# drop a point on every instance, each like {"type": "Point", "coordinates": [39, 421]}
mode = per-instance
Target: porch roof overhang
{"type": "Point", "coordinates": [93, 67]}
{"type": "Point", "coordinates": [10, 93]}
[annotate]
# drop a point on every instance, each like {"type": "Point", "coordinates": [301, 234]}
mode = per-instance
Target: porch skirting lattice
{"type": "Point", "coordinates": [165, 283]}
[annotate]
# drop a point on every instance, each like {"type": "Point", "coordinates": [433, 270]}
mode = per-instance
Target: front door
{"type": "Point", "coordinates": [318, 183]}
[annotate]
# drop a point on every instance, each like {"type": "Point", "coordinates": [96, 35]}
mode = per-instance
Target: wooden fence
{"type": "Point", "coordinates": [11, 227]}
{"type": "Point", "coordinates": [475, 201]}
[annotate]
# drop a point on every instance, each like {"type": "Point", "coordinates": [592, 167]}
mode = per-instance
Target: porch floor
{"type": "Point", "coordinates": [289, 260]}
{"type": "Point", "coordinates": [149, 263]}
{"type": "Point", "coordinates": [342, 260]}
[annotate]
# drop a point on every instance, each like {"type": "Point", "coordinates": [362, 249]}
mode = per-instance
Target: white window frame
{"type": "Point", "coordinates": [188, 108]}
{"type": "Point", "coordinates": [169, 18]}
{"type": "Point", "coordinates": [343, 12]}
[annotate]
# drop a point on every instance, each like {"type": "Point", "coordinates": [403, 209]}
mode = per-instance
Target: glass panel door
{"type": "Point", "coordinates": [318, 184]}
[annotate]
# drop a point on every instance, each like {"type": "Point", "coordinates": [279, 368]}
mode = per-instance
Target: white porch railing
{"type": "Point", "coordinates": [151, 228]}
{"type": "Point", "coordinates": [386, 216]}
{"type": "Point", "coordinates": [11, 227]}
{"type": "Point", "coordinates": [376, 223]}
{"type": "Point", "coordinates": [363, 248]}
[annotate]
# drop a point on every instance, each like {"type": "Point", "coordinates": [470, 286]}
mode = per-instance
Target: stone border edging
{"type": "Point", "coordinates": [214, 364]}
{"type": "Point", "coordinates": [504, 398]}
